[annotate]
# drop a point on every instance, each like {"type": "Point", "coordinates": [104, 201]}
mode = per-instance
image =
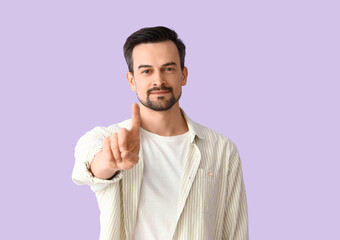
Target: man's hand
{"type": "Point", "coordinates": [120, 150]}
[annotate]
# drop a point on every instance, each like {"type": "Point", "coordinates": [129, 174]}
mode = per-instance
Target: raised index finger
{"type": "Point", "coordinates": [135, 117]}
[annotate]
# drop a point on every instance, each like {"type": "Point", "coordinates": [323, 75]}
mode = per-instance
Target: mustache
{"type": "Point", "coordinates": [158, 89]}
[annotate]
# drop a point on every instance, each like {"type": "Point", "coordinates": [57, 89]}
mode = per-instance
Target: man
{"type": "Point", "coordinates": [160, 175]}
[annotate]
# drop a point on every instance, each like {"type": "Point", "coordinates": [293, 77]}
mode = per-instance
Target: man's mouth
{"type": "Point", "coordinates": [159, 92]}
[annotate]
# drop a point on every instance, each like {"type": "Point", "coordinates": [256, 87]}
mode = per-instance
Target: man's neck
{"type": "Point", "coordinates": [164, 123]}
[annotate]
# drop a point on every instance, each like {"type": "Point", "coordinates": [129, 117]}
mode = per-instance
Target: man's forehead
{"type": "Point", "coordinates": [163, 52]}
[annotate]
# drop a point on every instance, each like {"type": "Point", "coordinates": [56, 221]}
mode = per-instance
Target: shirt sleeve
{"type": "Point", "coordinates": [236, 213]}
{"type": "Point", "coordinates": [87, 146]}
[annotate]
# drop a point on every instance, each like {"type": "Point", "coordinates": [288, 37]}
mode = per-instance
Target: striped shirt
{"type": "Point", "coordinates": [212, 200]}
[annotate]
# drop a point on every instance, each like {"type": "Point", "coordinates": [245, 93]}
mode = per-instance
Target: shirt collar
{"type": "Point", "coordinates": [194, 128]}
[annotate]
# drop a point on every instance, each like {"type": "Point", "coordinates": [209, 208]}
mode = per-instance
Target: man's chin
{"type": "Point", "coordinates": [159, 107]}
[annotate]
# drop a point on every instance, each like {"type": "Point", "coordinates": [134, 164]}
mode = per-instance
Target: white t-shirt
{"type": "Point", "coordinates": [164, 159]}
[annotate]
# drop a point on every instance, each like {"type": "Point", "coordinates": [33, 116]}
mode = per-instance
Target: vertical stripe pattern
{"type": "Point", "coordinates": [212, 201]}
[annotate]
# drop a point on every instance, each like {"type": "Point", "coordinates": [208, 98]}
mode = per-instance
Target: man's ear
{"type": "Point", "coordinates": [131, 80]}
{"type": "Point", "coordinates": [184, 76]}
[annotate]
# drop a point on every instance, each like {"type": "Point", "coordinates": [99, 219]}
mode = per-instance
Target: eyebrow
{"type": "Point", "coordinates": [169, 64]}
{"type": "Point", "coordinates": [144, 66]}
{"type": "Point", "coordinates": [164, 65]}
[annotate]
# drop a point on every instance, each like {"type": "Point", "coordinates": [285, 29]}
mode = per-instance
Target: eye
{"type": "Point", "coordinates": [147, 71]}
{"type": "Point", "coordinates": [169, 69]}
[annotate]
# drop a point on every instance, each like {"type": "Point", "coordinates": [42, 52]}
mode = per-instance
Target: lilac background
{"type": "Point", "coordinates": [263, 73]}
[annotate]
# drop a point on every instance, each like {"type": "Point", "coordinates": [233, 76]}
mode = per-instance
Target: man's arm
{"type": "Point", "coordinates": [236, 214]}
{"type": "Point", "coordinates": [120, 150]}
{"type": "Point", "coordinates": [100, 153]}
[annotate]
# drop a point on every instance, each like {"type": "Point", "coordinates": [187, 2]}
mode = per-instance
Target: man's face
{"type": "Point", "coordinates": [157, 78]}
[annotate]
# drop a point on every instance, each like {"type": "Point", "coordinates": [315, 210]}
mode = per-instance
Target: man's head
{"type": "Point", "coordinates": [155, 57]}
{"type": "Point", "coordinates": [152, 35]}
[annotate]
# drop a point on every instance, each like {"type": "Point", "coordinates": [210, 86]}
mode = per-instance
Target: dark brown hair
{"type": "Point", "coordinates": [152, 35]}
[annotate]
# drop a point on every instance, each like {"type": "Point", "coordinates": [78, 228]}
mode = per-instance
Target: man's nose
{"type": "Point", "coordinates": [159, 79]}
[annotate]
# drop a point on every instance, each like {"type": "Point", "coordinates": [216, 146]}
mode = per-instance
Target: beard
{"type": "Point", "coordinates": [161, 104]}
